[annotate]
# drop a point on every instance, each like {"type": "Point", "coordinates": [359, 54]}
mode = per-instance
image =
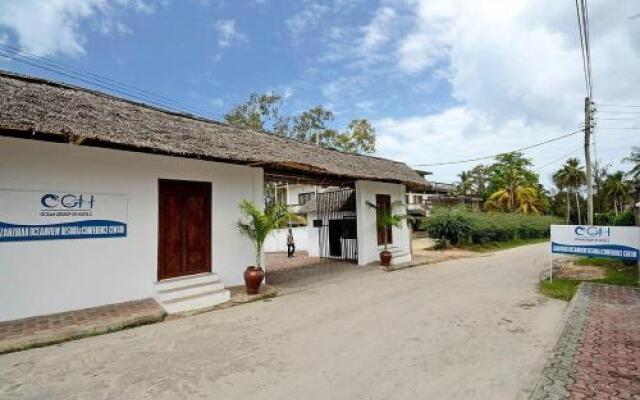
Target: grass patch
{"type": "Point", "coordinates": [562, 289]}
{"type": "Point", "coordinates": [494, 246]}
{"type": "Point", "coordinates": [618, 273]}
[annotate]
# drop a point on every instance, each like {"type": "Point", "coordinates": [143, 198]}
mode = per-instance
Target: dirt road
{"type": "Point", "coordinates": [464, 329]}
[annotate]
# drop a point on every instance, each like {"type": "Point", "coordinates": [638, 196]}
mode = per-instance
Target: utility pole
{"type": "Point", "coordinates": [587, 158]}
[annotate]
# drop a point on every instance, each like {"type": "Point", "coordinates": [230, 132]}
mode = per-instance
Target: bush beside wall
{"type": "Point", "coordinates": [459, 226]}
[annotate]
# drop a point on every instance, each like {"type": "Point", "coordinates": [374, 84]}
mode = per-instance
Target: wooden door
{"type": "Point", "coordinates": [184, 228]}
{"type": "Point", "coordinates": [383, 206]}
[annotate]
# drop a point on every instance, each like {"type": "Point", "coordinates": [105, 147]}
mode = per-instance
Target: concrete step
{"type": "Point", "coordinates": [167, 295]}
{"type": "Point", "coordinates": [395, 251]}
{"type": "Point", "coordinates": [182, 281]}
{"type": "Point", "coordinates": [404, 259]}
{"type": "Point", "coordinates": [398, 255]}
{"type": "Point", "coordinates": [197, 302]}
{"type": "Point", "coordinates": [190, 293]}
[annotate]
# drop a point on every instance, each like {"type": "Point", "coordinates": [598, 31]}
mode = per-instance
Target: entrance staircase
{"type": "Point", "coordinates": [191, 293]}
{"type": "Point", "coordinates": [399, 256]}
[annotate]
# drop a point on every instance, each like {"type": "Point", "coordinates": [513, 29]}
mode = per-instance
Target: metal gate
{"type": "Point", "coordinates": [338, 233]}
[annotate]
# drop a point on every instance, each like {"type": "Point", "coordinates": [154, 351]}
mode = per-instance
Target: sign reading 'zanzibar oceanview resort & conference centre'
{"type": "Point", "coordinates": [50, 215]}
{"type": "Point", "coordinates": [622, 242]}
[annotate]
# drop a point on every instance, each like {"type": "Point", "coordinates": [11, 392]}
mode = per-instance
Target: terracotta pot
{"type": "Point", "coordinates": [385, 258]}
{"type": "Point", "coordinates": [253, 278]}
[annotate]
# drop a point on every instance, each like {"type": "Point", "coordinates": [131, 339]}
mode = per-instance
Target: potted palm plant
{"type": "Point", "coordinates": [257, 225]}
{"type": "Point", "coordinates": [385, 220]}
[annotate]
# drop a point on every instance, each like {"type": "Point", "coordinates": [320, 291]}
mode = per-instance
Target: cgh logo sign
{"type": "Point", "coordinates": [67, 201]}
{"type": "Point", "coordinates": [592, 231]}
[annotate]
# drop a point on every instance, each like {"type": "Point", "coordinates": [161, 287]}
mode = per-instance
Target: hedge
{"type": "Point", "coordinates": [459, 226]}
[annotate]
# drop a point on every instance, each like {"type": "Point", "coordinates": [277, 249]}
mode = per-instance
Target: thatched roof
{"type": "Point", "coordinates": [40, 109]}
{"type": "Point", "coordinates": [329, 202]}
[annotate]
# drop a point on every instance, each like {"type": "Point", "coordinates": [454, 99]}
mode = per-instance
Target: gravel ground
{"type": "Point", "coordinates": [472, 328]}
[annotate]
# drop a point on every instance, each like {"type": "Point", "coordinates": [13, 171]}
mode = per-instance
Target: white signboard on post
{"type": "Point", "coordinates": [55, 215]}
{"type": "Point", "coordinates": [621, 242]}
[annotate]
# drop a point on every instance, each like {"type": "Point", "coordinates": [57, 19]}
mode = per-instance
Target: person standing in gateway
{"type": "Point", "coordinates": [291, 245]}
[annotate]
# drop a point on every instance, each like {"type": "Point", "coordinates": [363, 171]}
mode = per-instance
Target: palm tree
{"type": "Point", "coordinates": [524, 199]}
{"type": "Point", "coordinates": [257, 225]}
{"type": "Point", "coordinates": [558, 180]}
{"type": "Point", "coordinates": [528, 200]}
{"type": "Point", "coordinates": [572, 176]}
{"type": "Point", "coordinates": [634, 158]}
{"type": "Point", "coordinates": [617, 189]}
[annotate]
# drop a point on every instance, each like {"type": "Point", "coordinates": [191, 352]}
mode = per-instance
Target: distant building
{"type": "Point", "coordinates": [438, 195]}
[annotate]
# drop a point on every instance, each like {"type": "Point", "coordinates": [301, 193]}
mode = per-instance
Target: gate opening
{"type": "Point", "coordinates": [338, 233]}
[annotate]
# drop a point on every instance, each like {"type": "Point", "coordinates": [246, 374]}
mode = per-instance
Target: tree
{"type": "Point", "coordinates": [310, 126]}
{"type": "Point", "coordinates": [572, 176]}
{"type": "Point", "coordinates": [634, 158]}
{"type": "Point", "coordinates": [617, 190]}
{"type": "Point", "coordinates": [600, 174]}
{"type": "Point", "coordinates": [359, 137]}
{"type": "Point", "coordinates": [510, 171]}
{"type": "Point", "coordinates": [473, 182]}
{"type": "Point", "coordinates": [559, 180]}
{"type": "Point", "coordinates": [260, 111]}
{"type": "Point", "coordinates": [524, 199]}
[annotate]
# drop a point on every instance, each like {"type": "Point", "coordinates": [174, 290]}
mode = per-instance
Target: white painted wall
{"type": "Point", "coordinates": [294, 190]}
{"type": "Point", "coordinates": [313, 236]}
{"type": "Point", "coordinates": [43, 277]}
{"type": "Point", "coordinates": [367, 231]}
{"type": "Point", "coordinates": [277, 242]}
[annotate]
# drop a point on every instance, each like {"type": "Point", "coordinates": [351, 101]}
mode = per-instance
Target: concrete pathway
{"type": "Point", "coordinates": [598, 353]}
{"type": "Point", "coordinates": [465, 329]}
{"type": "Point", "coordinates": [293, 273]}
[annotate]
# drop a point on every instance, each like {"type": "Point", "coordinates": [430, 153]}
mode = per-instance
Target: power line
{"type": "Point", "coordinates": [619, 105]}
{"type": "Point", "coordinates": [555, 139]}
{"type": "Point", "coordinates": [558, 159]}
{"type": "Point", "coordinates": [585, 51]}
{"type": "Point", "coordinates": [617, 112]}
{"type": "Point", "coordinates": [618, 119]}
{"type": "Point", "coordinates": [99, 81]}
{"type": "Point", "coordinates": [585, 12]}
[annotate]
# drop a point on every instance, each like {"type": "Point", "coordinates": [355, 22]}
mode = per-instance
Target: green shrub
{"type": "Point", "coordinates": [450, 225]}
{"type": "Point", "coordinates": [625, 218]}
{"type": "Point", "coordinates": [459, 226]}
{"type": "Point", "coordinates": [603, 219]}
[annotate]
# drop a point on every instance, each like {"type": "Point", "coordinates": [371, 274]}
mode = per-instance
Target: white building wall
{"type": "Point", "coordinates": [368, 250]}
{"type": "Point", "coordinates": [41, 277]}
{"type": "Point", "coordinates": [294, 190]}
{"type": "Point", "coordinates": [313, 236]}
{"type": "Point", "coordinates": [277, 241]}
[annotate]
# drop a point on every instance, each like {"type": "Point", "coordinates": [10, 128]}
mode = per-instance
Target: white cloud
{"type": "Point", "coordinates": [515, 68]}
{"type": "Point", "coordinates": [307, 19]}
{"type": "Point", "coordinates": [227, 33]}
{"type": "Point", "coordinates": [45, 27]}
{"type": "Point", "coordinates": [377, 32]}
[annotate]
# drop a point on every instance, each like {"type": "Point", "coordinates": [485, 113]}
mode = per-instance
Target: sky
{"type": "Point", "coordinates": [441, 80]}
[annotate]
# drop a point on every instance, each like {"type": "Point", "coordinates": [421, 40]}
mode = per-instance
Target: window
{"type": "Point", "coordinates": [303, 198]}
{"type": "Point", "coordinates": [281, 195]}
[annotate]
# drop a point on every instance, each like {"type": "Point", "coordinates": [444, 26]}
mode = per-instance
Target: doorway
{"type": "Point", "coordinates": [184, 228]}
{"type": "Point", "coordinates": [383, 207]}
{"type": "Point", "coordinates": [337, 230]}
